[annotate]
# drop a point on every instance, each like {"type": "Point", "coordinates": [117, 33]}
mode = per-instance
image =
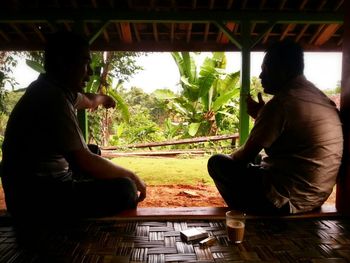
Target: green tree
{"type": "Point", "coordinates": [148, 115]}
{"type": "Point", "coordinates": [207, 94]}
{"type": "Point", "coordinates": [8, 61]}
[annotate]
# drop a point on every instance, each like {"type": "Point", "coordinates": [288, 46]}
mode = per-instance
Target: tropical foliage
{"type": "Point", "coordinates": [108, 66]}
{"type": "Point", "coordinates": [8, 62]}
{"type": "Point", "coordinates": [207, 104]}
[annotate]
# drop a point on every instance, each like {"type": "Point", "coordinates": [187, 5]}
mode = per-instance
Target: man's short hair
{"type": "Point", "coordinates": [63, 45]}
{"type": "Point", "coordinates": [288, 55]}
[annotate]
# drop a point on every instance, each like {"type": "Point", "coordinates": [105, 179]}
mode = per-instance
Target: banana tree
{"type": "Point", "coordinates": [207, 96]}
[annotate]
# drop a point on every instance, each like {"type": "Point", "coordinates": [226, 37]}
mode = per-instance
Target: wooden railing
{"type": "Point", "coordinates": [232, 137]}
{"type": "Point", "coordinates": [115, 151]}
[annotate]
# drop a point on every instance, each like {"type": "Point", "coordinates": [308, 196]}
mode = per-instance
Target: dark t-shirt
{"type": "Point", "coordinates": [41, 131]}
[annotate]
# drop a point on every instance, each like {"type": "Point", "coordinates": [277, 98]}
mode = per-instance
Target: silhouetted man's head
{"type": "Point", "coordinates": [67, 58]}
{"type": "Point", "coordinates": [283, 61]}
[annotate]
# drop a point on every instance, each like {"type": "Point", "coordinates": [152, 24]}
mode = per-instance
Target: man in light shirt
{"type": "Point", "coordinates": [300, 131]}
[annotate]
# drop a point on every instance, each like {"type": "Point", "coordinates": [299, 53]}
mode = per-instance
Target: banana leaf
{"type": "Point", "coordinates": [35, 66]}
{"type": "Point", "coordinates": [164, 94]}
{"type": "Point", "coordinates": [193, 128]}
{"type": "Point", "coordinates": [121, 105]}
{"type": "Point", "coordinates": [223, 99]}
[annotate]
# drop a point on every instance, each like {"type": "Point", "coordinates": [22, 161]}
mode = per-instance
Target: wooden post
{"type": "Point", "coordinates": [343, 184]}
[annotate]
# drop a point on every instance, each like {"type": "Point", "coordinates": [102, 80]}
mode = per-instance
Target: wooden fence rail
{"type": "Point", "coordinates": [232, 137]}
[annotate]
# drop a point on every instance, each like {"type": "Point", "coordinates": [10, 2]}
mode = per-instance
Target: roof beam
{"type": "Point", "coordinates": [222, 38]}
{"type": "Point", "coordinates": [93, 15]}
{"type": "Point", "coordinates": [98, 32]}
{"type": "Point", "coordinates": [126, 32]}
{"type": "Point", "coordinates": [229, 34]}
{"type": "Point", "coordinates": [326, 34]}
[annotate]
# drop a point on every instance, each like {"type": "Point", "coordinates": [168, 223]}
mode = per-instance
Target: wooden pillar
{"type": "Point", "coordinates": [245, 83]}
{"type": "Point", "coordinates": [343, 185]}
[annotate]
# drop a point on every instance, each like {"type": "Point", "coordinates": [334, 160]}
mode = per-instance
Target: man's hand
{"type": "Point", "coordinates": [254, 107]}
{"type": "Point", "coordinates": [92, 101]}
{"type": "Point", "coordinates": [141, 188]}
{"type": "Point", "coordinates": [107, 101]}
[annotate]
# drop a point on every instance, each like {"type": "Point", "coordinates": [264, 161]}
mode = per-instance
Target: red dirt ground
{"type": "Point", "coordinates": [179, 196]}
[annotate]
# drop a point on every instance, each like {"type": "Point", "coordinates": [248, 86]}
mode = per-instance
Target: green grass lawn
{"type": "Point", "coordinates": [163, 171]}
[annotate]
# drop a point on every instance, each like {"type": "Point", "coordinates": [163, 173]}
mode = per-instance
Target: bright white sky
{"type": "Point", "coordinates": [160, 70]}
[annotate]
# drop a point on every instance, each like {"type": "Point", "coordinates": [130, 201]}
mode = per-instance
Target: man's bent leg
{"type": "Point", "coordinates": [242, 186]}
{"type": "Point", "coordinates": [227, 174]}
{"type": "Point", "coordinates": [104, 197]}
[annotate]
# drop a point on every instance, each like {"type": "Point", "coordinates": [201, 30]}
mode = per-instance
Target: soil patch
{"type": "Point", "coordinates": [182, 196]}
{"type": "Point", "coordinates": [179, 196]}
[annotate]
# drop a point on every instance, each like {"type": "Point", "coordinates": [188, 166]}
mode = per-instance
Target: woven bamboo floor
{"type": "Point", "coordinates": [110, 241]}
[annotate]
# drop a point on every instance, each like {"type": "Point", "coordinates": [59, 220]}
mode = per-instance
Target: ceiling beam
{"type": "Point", "coordinates": [326, 34]}
{"type": "Point", "coordinates": [229, 34]}
{"type": "Point", "coordinates": [126, 32]}
{"type": "Point", "coordinates": [93, 15]}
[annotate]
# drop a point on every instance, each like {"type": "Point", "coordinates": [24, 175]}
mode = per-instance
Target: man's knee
{"type": "Point", "coordinates": [220, 165]}
{"type": "Point", "coordinates": [128, 191]}
{"type": "Point", "coordinates": [118, 193]}
{"type": "Point", "coordinates": [213, 163]}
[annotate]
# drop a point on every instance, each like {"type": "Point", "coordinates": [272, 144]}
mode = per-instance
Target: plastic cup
{"type": "Point", "coordinates": [235, 225]}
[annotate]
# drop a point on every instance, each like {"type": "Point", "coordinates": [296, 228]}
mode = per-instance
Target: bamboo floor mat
{"type": "Point", "coordinates": [112, 241]}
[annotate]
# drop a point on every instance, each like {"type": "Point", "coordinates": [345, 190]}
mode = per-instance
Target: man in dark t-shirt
{"type": "Point", "coordinates": [47, 168]}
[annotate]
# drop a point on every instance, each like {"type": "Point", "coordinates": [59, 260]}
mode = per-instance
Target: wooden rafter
{"type": "Point", "coordinates": [206, 32]}
{"type": "Point", "coordinates": [322, 4]}
{"type": "Point", "coordinates": [222, 38]}
{"type": "Point", "coordinates": [303, 4]}
{"type": "Point", "coordinates": [172, 32]}
{"type": "Point", "coordinates": [285, 32]}
{"type": "Point", "coordinates": [188, 34]}
{"type": "Point", "coordinates": [266, 37]}
{"type": "Point", "coordinates": [86, 29]}
{"type": "Point", "coordinates": [106, 36]}
{"type": "Point", "coordinates": [94, 3]}
{"type": "Point", "coordinates": [67, 26]}
{"type": "Point", "coordinates": [229, 4]}
{"type": "Point", "coordinates": [262, 4]}
{"type": "Point", "coordinates": [339, 4]}
{"type": "Point", "coordinates": [19, 32]}
{"type": "Point", "coordinates": [316, 34]}
{"type": "Point", "coordinates": [301, 33]}
{"type": "Point", "coordinates": [4, 36]}
{"type": "Point", "coordinates": [326, 34]}
{"type": "Point", "coordinates": [282, 4]}
{"type": "Point", "coordinates": [126, 32]}
{"type": "Point", "coordinates": [136, 32]}
{"type": "Point", "coordinates": [155, 32]}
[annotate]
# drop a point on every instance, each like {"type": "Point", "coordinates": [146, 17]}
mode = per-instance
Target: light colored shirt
{"type": "Point", "coordinates": [301, 133]}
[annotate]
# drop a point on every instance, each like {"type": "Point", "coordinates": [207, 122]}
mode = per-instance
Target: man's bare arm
{"type": "Point", "coordinates": [92, 101]}
{"type": "Point", "coordinates": [247, 152]}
